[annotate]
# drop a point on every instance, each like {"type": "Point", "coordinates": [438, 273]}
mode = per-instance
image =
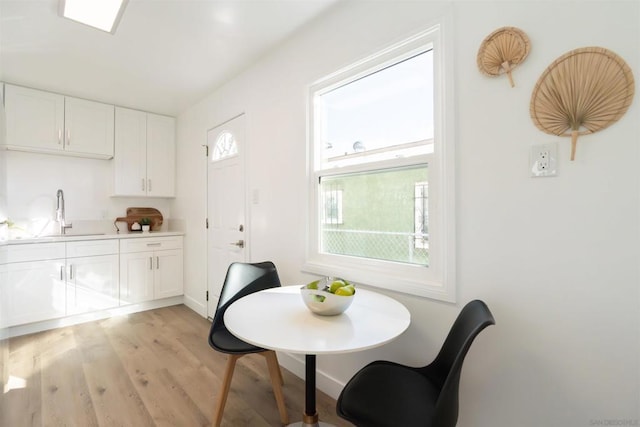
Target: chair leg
{"type": "Point", "coordinates": [275, 355]}
{"type": "Point", "coordinates": [276, 381]}
{"type": "Point", "coordinates": [224, 390]}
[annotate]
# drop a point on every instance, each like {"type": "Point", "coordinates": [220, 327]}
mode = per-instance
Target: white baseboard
{"type": "Point", "coordinates": [324, 382]}
{"type": "Point", "coordinates": [195, 305]}
{"type": "Point", "coordinates": [31, 328]}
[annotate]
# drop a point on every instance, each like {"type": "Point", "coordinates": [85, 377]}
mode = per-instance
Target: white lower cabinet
{"type": "Point", "coordinates": [34, 284]}
{"type": "Point", "coordinates": [45, 281]}
{"type": "Point", "coordinates": [92, 276]}
{"type": "Point", "coordinates": [167, 280]}
{"type": "Point", "coordinates": [136, 277]}
{"type": "Point", "coordinates": [34, 291]}
{"type": "Point", "coordinates": [150, 268]}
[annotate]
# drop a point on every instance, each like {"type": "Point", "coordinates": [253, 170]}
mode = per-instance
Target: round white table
{"type": "Point", "coordinates": [278, 319]}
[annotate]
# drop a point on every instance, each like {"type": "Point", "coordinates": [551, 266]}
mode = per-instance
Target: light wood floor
{"type": "Point", "coordinates": [153, 368]}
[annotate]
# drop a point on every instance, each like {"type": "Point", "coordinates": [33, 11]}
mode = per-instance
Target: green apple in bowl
{"type": "Point", "coordinates": [328, 296]}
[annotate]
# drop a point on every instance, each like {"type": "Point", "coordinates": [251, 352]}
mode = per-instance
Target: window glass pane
{"type": "Point", "coordinates": [380, 215]}
{"type": "Point", "coordinates": [226, 146]}
{"type": "Point", "coordinates": [382, 115]}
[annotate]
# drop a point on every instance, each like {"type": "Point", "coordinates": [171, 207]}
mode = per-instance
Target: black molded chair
{"type": "Point", "coordinates": [243, 279]}
{"type": "Point", "coordinates": [389, 394]}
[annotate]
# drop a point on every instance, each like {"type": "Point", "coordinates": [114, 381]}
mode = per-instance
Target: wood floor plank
{"type": "Point", "coordinates": [204, 384]}
{"type": "Point", "coordinates": [21, 401]}
{"type": "Point", "coordinates": [4, 361]}
{"type": "Point", "coordinates": [66, 400]}
{"type": "Point", "coordinates": [145, 357]}
{"type": "Point", "coordinates": [246, 385]}
{"type": "Point", "coordinates": [114, 396]}
{"type": "Point", "coordinates": [163, 329]}
{"type": "Point", "coordinates": [153, 368]}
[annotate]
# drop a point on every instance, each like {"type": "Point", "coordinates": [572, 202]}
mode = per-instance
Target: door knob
{"type": "Point", "coordinates": [239, 243]}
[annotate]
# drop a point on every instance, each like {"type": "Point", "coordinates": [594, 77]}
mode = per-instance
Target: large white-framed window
{"type": "Point", "coordinates": [380, 137]}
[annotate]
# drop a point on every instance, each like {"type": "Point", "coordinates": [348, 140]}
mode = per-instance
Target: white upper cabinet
{"type": "Point", "coordinates": [130, 153]}
{"type": "Point", "coordinates": [47, 122]}
{"type": "Point", "coordinates": [145, 151]}
{"type": "Point", "coordinates": [88, 127]}
{"type": "Point", "coordinates": [161, 156]}
{"type": "Point", "coordinates": [35, 119]}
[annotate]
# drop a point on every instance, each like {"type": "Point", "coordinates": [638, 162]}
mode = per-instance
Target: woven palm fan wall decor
{"type": "Point", "coordinates": [501, 51]}
{"type": "Point", "coordinates": [582, 92]}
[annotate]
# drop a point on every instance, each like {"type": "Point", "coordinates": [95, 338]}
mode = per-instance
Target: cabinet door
{"type": "Point", "coordinates": [130, 152]}
{"type": "Point", "coordinates": [136, 277]}
{"type": "Point", "coordinates": [34, 119]}
{"type": "Point", "coordinates": [92, 283]}
{"type": "Point", "coordinates": [88, 128]}
{"type": "Point", "coordinates": [161, 156]}
{"type": "Point", "coordinates": [168, 273]}
{"type": "Point", "coordinates": [33, 291]}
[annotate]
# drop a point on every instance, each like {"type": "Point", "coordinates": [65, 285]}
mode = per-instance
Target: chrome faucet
{"type": "Point", "coordinates": [60, 213]}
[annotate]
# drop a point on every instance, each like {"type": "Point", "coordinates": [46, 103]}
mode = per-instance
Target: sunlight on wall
{"type": "Point", "coordinates": [14, 383]}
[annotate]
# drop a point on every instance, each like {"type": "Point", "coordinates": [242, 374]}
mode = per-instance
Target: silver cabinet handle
{"type": "Point", "coordinates": [154, 244]}
{"type": "Point", "coordinates": [157, 263]}
{"type": "Point", "coordinates": [239, 243]}
{"type": "Point", "coordinates": [71, 272]}
{"type": "Point", "coordinates": [61, 269]}
{"type": "Point", "coordinates": [150, 263]}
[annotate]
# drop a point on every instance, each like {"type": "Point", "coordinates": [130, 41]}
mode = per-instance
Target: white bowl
{"type": "Point", "coordinates": [325, 303]}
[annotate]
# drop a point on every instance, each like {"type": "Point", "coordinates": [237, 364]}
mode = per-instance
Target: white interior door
{"type": "Point", "coordinates": [226, 204]}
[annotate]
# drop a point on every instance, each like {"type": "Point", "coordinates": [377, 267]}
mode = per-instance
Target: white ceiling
{"type": "Point", "coordinates": [165, 56]}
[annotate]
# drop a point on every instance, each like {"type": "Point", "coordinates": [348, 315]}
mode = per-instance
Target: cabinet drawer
{"type": "Point", "coordinates": [150, 244]}
{"type": "Point", "coordinates": [92, 248]}
{"type": "Point", "coordinates": [35, 252]}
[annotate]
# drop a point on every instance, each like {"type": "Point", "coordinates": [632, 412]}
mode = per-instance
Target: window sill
{"type": "Point", "coordinates": [380, 279]}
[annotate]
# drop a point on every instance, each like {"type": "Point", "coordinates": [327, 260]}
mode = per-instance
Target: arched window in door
{"type": "Point", "coordinates": [225, 146]}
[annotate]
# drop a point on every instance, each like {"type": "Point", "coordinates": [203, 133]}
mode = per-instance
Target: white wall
{"type": "Point", "coordinates": [33, 180]}
{"type": "Point", "coordinates": [556, 259]}
{"type": "Point", "coordinates": [3, 175]}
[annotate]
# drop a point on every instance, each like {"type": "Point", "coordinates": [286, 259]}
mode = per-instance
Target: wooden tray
{"type": "Point", "coordinates": [136, 215]}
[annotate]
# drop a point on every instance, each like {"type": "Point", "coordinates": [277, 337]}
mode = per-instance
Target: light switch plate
{"type": "Point", "coordinates": [543, 160]}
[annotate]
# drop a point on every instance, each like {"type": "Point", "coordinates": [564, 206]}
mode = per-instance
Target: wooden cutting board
{"type": "Point", "coordinates": [136, 215]}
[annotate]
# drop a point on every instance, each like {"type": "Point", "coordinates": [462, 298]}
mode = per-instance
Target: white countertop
{"type": "Point", "coordinates": [90, 236]}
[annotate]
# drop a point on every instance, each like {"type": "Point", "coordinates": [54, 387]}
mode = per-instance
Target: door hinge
{"type": "Point", "coordinates": [206, 222]}
{"type": "Point", "coordinates": [207, 295]}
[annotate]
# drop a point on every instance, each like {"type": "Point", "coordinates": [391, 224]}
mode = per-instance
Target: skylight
{"type": "Point", "coordinates": [101, 14]}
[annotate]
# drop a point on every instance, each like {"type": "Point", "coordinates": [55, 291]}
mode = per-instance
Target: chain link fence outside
{"type": "Point", "coordinates": [411, 248]}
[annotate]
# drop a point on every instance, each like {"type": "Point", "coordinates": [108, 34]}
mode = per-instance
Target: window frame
{"type": "Point", "coordinates": [438, 280]}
